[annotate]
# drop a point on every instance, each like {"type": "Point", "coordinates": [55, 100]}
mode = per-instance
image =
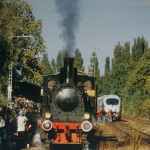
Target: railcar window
{"type": "Point", "coordinates": [112, 101]}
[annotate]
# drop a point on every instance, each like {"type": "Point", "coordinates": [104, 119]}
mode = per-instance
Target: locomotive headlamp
{"type": "Point", "coordinates": [117, 114]}
{"type": "Point", "coordinates": [86, 126]}
{"type": "Point", "coordinates": [86, 116]}
{"type": "Point", "coordinates": [47, 115]}
{"type": "Point", "coordinates": [47, 125]}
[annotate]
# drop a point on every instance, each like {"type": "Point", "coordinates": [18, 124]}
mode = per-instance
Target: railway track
{"type": "Point", "coordinates": [140, 125]}
{"type": "Point", "coordinates": [124, 117]}
{"type": "Point", "coordinates": [136, 128]}
{"type": "Point", "coordinates": [136, 135]}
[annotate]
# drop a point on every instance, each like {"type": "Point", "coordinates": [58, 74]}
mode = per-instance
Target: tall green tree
{"type": "Point", "coordinates": [78, 60]}
{"type": "Point", "coordinates": [59, 61]}
{"type": "Point", "coordinates": [47, 69]}
{"type": "Point", "coordinates": [53, 65]}
{"type": "Point", "coordinates": [139, 47]}
{"type": "Point", "coordinates": [93, 68]}
{"type": "Point", "coordinates": [94, 71]}
{"type": "Point", "coordinates": [120, 67]}
{"type": "Point", "coordinates": [107, 66]}
{"type": "Point", "coordinates": [118, 53]}
{"type": "Point", "coordinates": [126, 55]}
{"type": "Point", "coordinates": [106, 79]}
{"type": "Point", "coordinates": [113, 64]}
{"type": "Point", "coordinates": [118, 78]}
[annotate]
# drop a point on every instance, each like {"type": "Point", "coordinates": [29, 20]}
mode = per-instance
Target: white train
{"type": "Point", "coordinates": [110, 103]}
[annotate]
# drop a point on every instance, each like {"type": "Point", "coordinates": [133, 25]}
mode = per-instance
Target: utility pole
{"type": "Point", "coordinates": [10, 79]}
{"type": "Point", "coordinates": [9, 88]}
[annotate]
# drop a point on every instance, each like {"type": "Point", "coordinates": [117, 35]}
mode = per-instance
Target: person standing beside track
{"type": "Point", "coordinates": [110, 117]}
{"type": "Point", "coordinates": [99, 115]}
{"type": "Point", "coordinates": [104, 115]}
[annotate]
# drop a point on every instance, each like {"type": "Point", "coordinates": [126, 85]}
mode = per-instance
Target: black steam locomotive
{"type": "Point", "coordinates": [68, 105]}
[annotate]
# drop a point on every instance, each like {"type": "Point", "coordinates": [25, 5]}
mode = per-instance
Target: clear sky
{"type": "Point", "coordinates": [102, 24]}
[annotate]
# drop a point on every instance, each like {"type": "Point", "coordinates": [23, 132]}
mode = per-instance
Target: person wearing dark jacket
{"type": "Point", "coordinates": [104, 115]}
{"type": "Point", "coordinates": [11, 133]}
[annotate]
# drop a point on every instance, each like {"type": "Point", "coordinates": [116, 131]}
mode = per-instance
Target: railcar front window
{"type": "Point", "coordinates": [112, 101]}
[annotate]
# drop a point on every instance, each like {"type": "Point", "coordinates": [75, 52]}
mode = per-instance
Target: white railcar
{"type": "Point", "coordinates": [110, 103]}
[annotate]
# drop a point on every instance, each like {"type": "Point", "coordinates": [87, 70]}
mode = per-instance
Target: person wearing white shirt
{"type": "Point", "coordinates": [21, 121]}
{"type": "Point", "coordinates": [2, 122]}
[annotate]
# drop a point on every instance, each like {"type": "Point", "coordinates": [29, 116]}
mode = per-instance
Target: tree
{"type": "Point", "coordinates": [4, 40]}
{"type": "Point", "coordinates": [78, 60]}
{"type": "Point", "coordinates": [16, 20]}
{"type": "Point", "coordinates": [59, 61]}
{"type": "Point", "coordinates": [26, 51]}
{"type": "Point", "coordinates": [129, 77]}
{"type": "Point", "coordinates": [126, 53]}
{"type": "Point", "coordinates": [113, 64]}
{"type": "Point", "coordinates": [47, 69]}
{"type": "Point", "coordinates": [139, 47]}
{"type": "Point", "coordinates": [118, 53]}
{"type": "Point", "coordinates": [27, 54]}
{"type": "Point", "coordinates": [120, 67]}
{"type": "Point", "coordinates": [53, 64]}
{"type": "Point", "coordinates": [107, 66]}
{"type": "Point", "coordinates": [137, 89]}
{"type": "Point", "coordinates": [106, 79]}
{"type": "Point", "coordinates": [118, 78]}
{"type": "Point", "coordinates": [93, 69]}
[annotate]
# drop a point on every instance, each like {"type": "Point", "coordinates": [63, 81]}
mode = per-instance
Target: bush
{"type": "Point", "coordinates": [3, 97]}
{"type": "Point", "coordinates": [3, 100]}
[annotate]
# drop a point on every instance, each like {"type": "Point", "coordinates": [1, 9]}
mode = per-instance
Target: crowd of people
{"type": "Point", "coordinates": [104, 116]}
{"type": "Point", "coordinates": [16, 122]}
{"type": "Point", "coordinates": [19, 120]}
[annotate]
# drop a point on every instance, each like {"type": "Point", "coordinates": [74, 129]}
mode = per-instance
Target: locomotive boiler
{"type": "Point", "coordinates": [68, 105]}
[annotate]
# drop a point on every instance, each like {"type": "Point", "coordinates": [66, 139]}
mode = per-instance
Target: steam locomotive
{"type": "Point", "coordinates": [68, 105]}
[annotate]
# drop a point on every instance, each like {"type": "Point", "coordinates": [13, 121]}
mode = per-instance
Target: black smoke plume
{"type": "Point", "coordinates": [69, 12]}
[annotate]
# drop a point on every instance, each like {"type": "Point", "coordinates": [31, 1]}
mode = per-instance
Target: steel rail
{"type": "Point", "coordinates": [130, 134]}
{"type": "Point", "coordinates": [124, 117]}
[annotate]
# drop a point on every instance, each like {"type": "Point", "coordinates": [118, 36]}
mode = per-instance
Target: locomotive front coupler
{"type": "Point", "coordinates": [67, 132]}
{"type": "Point", "coordinates": [77, 129]}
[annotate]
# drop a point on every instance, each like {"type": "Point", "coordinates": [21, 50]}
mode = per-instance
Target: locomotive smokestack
{"type": "Point", "coordinates": [70, 15]}
{"type": "Point", "coordinates": [69, 70]}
